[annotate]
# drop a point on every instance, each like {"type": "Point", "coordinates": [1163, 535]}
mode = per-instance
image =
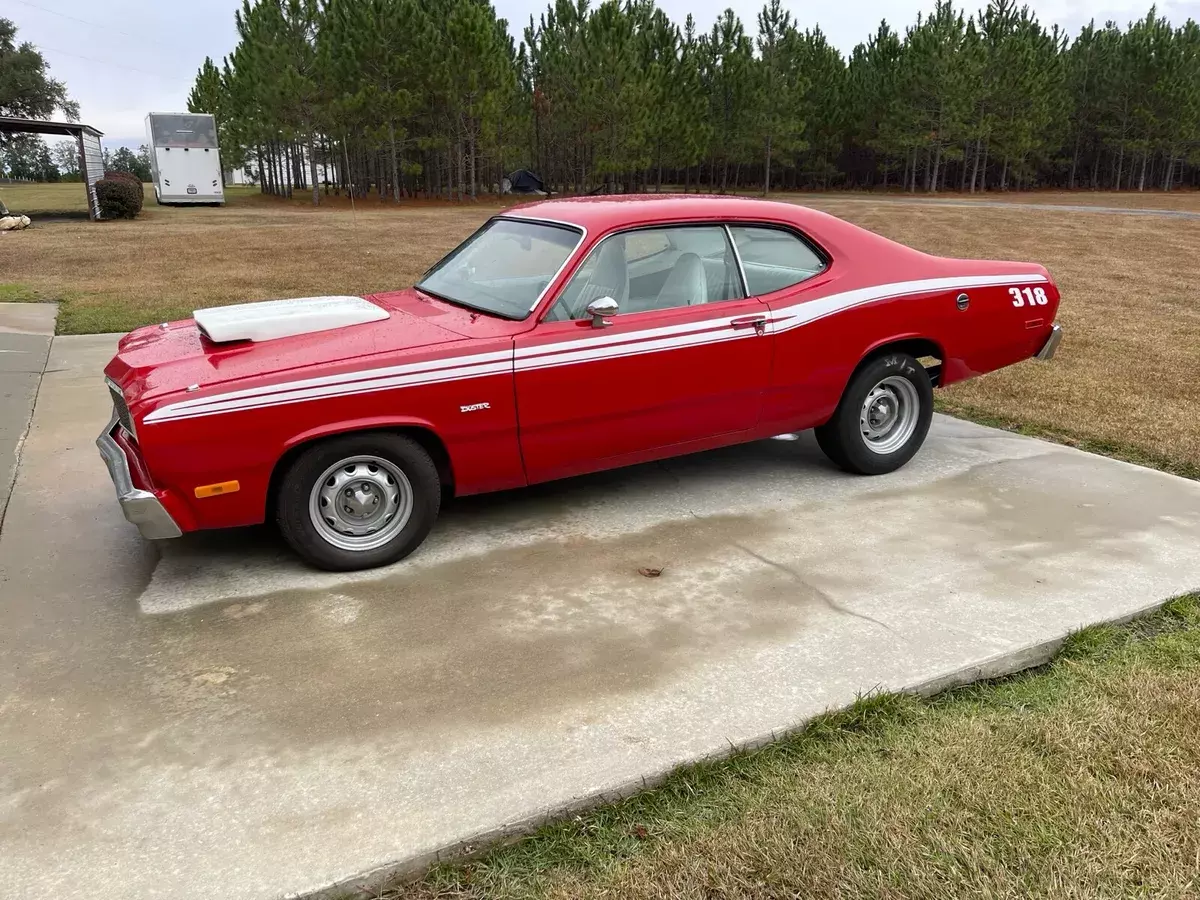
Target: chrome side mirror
{"type": "Point", "coordinates": [601, 307]}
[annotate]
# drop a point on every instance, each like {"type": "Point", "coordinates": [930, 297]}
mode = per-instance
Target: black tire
{"type": "Point", "coordinates": [300, 480]}
{"type": "Point", "coordinates": [841, 438]}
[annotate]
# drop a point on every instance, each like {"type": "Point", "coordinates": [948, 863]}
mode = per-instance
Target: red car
{"type": "Point", "coordinates": [562, 337]}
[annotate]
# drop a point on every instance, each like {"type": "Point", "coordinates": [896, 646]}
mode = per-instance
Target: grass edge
{"type": "Point", "coordinates": [869, 716]}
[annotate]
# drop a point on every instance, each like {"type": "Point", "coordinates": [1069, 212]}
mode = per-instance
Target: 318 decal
{"type": "Point", "coordinates": [1029, 296]}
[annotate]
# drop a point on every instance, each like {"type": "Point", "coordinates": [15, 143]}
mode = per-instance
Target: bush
{"type": "Point", "coordinates": [131, 178]}
{"type": "Point", "coordinates": [120, 198]}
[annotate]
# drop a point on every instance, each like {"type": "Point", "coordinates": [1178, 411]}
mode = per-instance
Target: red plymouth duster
{"type": "Point", "coordinates": [562, 337]}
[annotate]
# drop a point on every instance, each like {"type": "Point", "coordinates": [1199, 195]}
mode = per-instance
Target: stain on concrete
{"type": "Point", "coordinates": [485, 640]}
{"type": "Point", "coordinates": [548, 625]}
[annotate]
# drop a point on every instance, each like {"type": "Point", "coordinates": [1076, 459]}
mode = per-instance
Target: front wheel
{"type": "Point", "coordinates": [359, 501]}
{"type": "Point", "coordinates": [883, 417]}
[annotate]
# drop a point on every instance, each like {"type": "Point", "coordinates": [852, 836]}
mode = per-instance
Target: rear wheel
{"type": "Point", "coordinates": [882, 418]}
{"type": "Point", "coordinates": [359, 501]}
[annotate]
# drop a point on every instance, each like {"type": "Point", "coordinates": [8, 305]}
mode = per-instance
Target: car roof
{"type": "Point", "coordinates": [602, 213]}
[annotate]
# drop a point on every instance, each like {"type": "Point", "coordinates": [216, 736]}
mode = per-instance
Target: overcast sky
{"type": "Point", "coordinates": [124, 58]}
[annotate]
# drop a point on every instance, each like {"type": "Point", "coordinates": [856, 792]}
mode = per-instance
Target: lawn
{"type": "Point", "coordinates": [70, 199]}
{"type": "Point", "coordinates": [45, 199]}
{"type": "Point", "coordinates": [1123, 382]}
{"type": "Point", "coordinates": [1184, 201]}
{"type": "Point", "coordinates": [1078, 780]}
{"type": "Point", "coordinates": [1081, 779]}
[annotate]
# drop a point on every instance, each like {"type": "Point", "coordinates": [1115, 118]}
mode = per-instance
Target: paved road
{"type": "Point", "coordinates": [216, 721]}
{"type": "Point", "coordinates": [25, 330]}
{"type": "Point", "coordinates": [1049, 207]}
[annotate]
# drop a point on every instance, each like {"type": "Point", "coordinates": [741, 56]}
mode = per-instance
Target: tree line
{"type": "Point", "coordinates": [26, 157]}
{"type": "Point", "coordinates": [434, 97]}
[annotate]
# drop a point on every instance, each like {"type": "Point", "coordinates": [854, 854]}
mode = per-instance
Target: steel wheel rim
{"type": "Point", "coordinates": [889, 415]}
{"type": "Point", "coordinates": [360, 503]}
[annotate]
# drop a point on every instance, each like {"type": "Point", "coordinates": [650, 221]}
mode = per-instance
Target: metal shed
{"type": "Point", "coordinates": [91, 157]}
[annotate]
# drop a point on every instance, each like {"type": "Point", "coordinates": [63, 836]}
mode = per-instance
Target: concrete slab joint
{"type": "Point", "coordinates": [26, 330]}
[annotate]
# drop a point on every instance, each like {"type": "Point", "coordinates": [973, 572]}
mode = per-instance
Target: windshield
{"type": "Point", "coordinates": [503, 268]}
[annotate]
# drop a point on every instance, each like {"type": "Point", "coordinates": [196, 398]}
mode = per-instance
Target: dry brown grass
{"type": "Point", "coordinates": [1079, 781]}
{"type": "Point", "coordinates": [117, 275]}
{"type": "Point", "coordinates": [1187, 201]}
{"type": "Point", "coordinates": [1123, 379]}
{"type": "Point", "coordinates": [1181, 200]}
{"type": "Point", "coordinates": [1125, 373]}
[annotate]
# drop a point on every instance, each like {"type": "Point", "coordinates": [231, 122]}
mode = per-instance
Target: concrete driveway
{"type": "Point", "coordinates": [207, 719]}
{"type": "Point", "coordinates": [25, 330]}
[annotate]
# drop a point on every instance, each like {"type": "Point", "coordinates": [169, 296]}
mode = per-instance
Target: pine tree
{"type": "Point", "coordinates": [782, 86]}
{"type": "Point", "coordinates": [435, 96]}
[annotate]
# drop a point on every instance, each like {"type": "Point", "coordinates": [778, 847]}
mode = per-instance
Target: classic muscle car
{"type": "Point", "coordinates": [562, 337]}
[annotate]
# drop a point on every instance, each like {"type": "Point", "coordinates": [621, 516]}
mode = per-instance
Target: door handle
{"type": "Point", "coordinates": [758, 323]}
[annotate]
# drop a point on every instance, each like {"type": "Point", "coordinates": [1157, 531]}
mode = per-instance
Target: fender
{"type": "Point", "coordinates": [930, 347]}
{"type": "Point", "coordinates": [368, 423]}
{"type": "Point", "coordinates": [901, 338]}
{"type": "Point", "coordinates": [820, 414]}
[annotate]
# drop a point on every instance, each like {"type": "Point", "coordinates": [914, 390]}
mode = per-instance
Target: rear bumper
{"type": "Point", "coordinates": [1052, 342]}
{"type": "Point", "coordinates": [140, 507]}
{"type": "Point", "coordinates": [191, 198]}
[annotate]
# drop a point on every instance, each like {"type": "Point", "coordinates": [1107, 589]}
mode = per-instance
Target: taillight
{"type": "Point", "coordinates": [121, 408]}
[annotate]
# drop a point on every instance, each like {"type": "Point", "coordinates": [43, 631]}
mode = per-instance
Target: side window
{"type": "Point", "coordinates": [773, 258]}
{"type": "Point", "coordinates": [654, 268]}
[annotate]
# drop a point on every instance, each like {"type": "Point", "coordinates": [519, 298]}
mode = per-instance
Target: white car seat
{"type": "Point", "coordinates": [686, 284]}
{"type": "Point", "coordinates": [610, 278]}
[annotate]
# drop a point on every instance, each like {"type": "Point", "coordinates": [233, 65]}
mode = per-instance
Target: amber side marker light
{"type": "Point", "coordinates": [214, 490]}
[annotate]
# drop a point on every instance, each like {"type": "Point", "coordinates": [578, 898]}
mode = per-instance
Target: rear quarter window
{"type": "Point", "coordinates": [774, 258]}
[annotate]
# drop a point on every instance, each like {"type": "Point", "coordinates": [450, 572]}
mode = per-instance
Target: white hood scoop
{"type": "Point", "coordinates": [273, 319]}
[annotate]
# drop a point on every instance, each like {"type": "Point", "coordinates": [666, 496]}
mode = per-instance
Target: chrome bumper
{"type": "Point", "coordinates": [140, 507]}
{"type": "Point", "coordinates": [1052, 342]}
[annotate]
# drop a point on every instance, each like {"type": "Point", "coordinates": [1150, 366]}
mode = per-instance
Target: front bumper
{"type": "Point", "coordinates": [140, 507]}
{"type": "Point", "coordinates": [1052, 342]}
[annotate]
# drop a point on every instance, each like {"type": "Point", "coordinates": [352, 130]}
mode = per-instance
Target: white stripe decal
{"type": "Point", "coordinates": [253, 403]}
{"type": "Point", "coordinates": [221, 404]}
{"type": "Point", "coordinates": [436, 369]}
{"type": "Point", "coordinates": [563, 352]}
{"type": "Point", "coordinates": [803, 313]}
{"type": "Point", "coordinates": [565, 356]}
{"type": "Point", "coordinates": [602, 340]}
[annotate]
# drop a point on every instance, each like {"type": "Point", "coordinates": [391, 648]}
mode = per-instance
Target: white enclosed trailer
{"type": "Point", "coordinates": [184, 158]}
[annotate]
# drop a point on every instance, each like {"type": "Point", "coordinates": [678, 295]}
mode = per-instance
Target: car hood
{"type": "Point", "coordinates": [160, 360]}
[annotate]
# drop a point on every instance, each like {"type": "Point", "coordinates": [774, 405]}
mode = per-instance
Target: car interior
{"type": "Point", "coordinates": [665, 268]}
{"type": "Point", "coordinates": [643, 270]}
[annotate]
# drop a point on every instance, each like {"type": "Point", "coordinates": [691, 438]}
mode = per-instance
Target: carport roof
{"type": "Point", "coordinates": [14, 124]}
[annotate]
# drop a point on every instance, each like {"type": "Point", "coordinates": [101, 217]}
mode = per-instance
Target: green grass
{"type": "Point", "coordinates": [33, 200]}
{"type": "Point", "coordinates": [1079, 779]}
{"type": "Point", "coordinates": [18, 293]}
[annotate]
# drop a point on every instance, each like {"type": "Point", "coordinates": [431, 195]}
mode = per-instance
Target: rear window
{"type": "Point", "coordinates": [773, 258]}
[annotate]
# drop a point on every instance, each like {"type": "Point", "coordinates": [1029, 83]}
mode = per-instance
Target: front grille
{"type": "Point", "coordinates": [121, 408]}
